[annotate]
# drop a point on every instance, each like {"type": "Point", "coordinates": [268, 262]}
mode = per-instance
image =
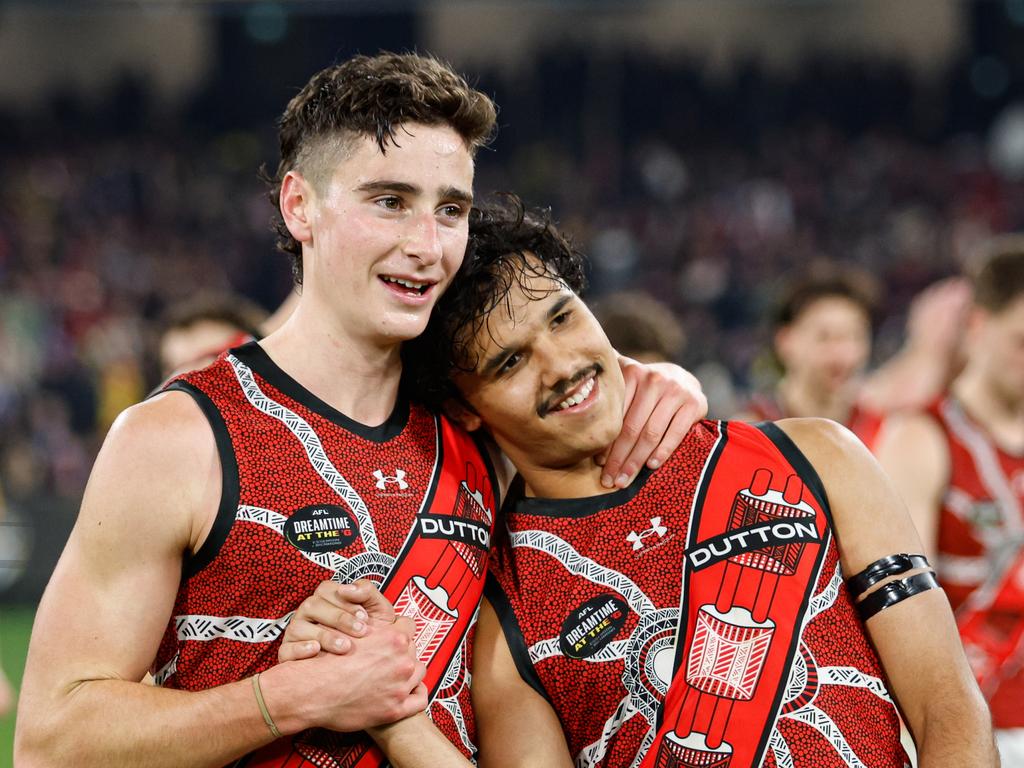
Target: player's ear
{"type": "Point", "coordinates": [462, 414]}
{"type": "Point", "coordinates": [294, 200]}
{"type": "Point", "coordinates": [783, 338]}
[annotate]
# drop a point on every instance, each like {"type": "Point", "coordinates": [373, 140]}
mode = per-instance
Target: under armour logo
{"type": "Point", "coordinates": [383, 480]}
{"type": "Point", "coordinates": [637, 539]}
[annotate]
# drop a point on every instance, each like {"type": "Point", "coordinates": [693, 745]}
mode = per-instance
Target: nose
{"type": "Point", "coordinates": [557, 363]}
{"type": "Point", "coordinates": [423, 239]}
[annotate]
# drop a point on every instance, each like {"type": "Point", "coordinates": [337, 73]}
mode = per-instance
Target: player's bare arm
{"type": "Point", "coordinates": [150, 499]}
{"type": "Point", "coordinates": [516, 725]}
{"type": "Point", "coordinates": [916, 638]}
{"type": "Point", "coordinates": [912, 451]}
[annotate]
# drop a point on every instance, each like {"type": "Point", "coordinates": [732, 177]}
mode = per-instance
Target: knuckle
{"type": "Point", "coordinates": [652, 433]}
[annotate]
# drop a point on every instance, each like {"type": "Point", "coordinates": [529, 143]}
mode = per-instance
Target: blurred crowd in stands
{"type": "Point", "coordinates": [707, 196]}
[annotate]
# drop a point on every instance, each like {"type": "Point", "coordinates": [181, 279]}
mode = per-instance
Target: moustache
{"type": "Point", "coordinates": [559, 390]}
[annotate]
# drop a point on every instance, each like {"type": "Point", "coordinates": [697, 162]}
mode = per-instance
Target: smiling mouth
{"type": "Point", "coordinates": [411, 287]}
{"type": "Point", "coordinates": [580, 390]}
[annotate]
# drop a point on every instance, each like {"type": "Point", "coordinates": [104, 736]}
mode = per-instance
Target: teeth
{"type": "Point", "coordinates": [579, 397]}
{"type": "Point", "coordinates": [406, 283]}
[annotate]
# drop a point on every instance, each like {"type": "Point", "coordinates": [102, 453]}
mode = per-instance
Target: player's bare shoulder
{"type": "Point", "coordinates": [159, 459]}
{"type": "Point", "coordinates": [822, 440]}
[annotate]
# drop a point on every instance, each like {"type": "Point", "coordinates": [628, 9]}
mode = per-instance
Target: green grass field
{"type": "Point", "coordinates": [15, 626]}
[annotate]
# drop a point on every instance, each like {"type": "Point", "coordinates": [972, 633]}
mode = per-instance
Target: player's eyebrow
{"type": "Point", "coordinates": [386, 185]}
{"type": "Point", "coordinates": [495, 360]}
{"type": "Point", "coordinates": [380, 186]}
{"type": "Point", "coordinates": [456, 195]}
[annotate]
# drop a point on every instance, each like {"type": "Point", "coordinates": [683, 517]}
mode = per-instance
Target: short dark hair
{"type": "Point", "coordinates": [999, 273]}
{"type": "Point", "coordinates": [229, 309]}
{"type": "Point", "coordinates": [507, 243]}
{"type": "Point", "coordinates": [826, 281]}
{"type": "Point", "coordinates": [370, 96]}
{"type": "Point", "coordinates": [638, 324]}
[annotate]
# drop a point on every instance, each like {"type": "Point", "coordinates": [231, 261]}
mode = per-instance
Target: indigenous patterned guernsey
{"type": "Point", "coordinates": [980, 559]}
{"type": "Point", "coordinates": [310, 495]}
{"type": "Point", "coordinates": [697, 617]}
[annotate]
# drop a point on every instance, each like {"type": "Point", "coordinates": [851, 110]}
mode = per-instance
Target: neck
{"type": "Point", "coordinates": [354, 376]}
{"type": "Point", "coordinates": [1001, 415]}
{"type": "Point", "coordinates": [579, 481]}
{"type": "Point", "coordinates": [799, 398]}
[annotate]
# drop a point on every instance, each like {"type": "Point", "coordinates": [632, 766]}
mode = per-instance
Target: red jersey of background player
{"type": "Point", "coordinates": [980, 557]}
{"type": "Point", "coordinates": [728, 548]}
{"type": "Point", "coordinates": [309, 495]}
{"type": "Point", "coordinates": [865, 424]}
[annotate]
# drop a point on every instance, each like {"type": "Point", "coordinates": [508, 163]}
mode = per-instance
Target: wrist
{"type": "Point", "coordinates": [280, 701]}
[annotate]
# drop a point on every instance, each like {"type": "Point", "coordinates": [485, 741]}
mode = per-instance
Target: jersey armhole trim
{"type": "Point", "coordinates": [514, 636]}
{"type": "Point", "coordinates": [799, 462]}
{"type": "Point", "coordinates": [229, 493]}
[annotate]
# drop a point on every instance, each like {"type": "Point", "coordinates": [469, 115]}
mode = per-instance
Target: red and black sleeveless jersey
{"type": "Point", "coordinates": [309, 495]}
{"type": "Point", "coordinates": [980, 544]}
{"type": "Point", "coordinates": [697, 617]}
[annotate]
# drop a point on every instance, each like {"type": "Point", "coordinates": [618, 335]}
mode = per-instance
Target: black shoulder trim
{"type": "Point", "coordinates": [800, 463]}
{"type": "Point", "coordinates": [514, 635]}
{"type": "Point", "coordinates": [254, 356]}
{"type": "Point", "coordinates": [229, 489]}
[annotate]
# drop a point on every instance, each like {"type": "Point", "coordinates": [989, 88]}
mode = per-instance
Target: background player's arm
{"type": "Point", "coordinates": [913, 453]}
{"type": "Point", "coordinates": [929, 357]}
{"type": "Point", "coordinates": [517, 728]}
{"type": "Point", "coordinates": [916, 639]}
{"type": "Point", "coordinates": [150, 498]}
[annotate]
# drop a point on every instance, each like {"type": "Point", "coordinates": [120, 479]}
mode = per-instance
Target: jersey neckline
{"type": "Point", "coordinates": [256, 358]}
{"type": "Point", "coordinates": [577, 507]}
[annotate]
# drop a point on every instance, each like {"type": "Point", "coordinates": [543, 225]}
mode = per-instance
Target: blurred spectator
{"type": "Point", "coordinates": [640, 326]}
{"type": "Point", "coordinates": [194, 332]}
{"type": "Point", "coordinates": [822, 342]}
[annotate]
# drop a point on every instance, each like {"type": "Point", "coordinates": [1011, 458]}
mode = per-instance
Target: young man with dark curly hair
{"type": "Point", "coordinates": [215, 507]}
{"type": "Point", "coordinates": [757, 601]}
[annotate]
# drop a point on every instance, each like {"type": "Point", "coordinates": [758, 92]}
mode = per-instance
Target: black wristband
{"type": "Point", "coordinates": [882, 569]}
{"type": "Point", "coordinates": [895, 592]}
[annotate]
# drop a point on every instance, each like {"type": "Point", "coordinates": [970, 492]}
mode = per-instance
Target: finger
{"type": "Point", "coordinates": [681, 423]}
{"type": "Point", "coordinates": [652, 436]}
{"type": "Point", "coordinates": [417, 701]}
{"type": "Point", "coordinates": [314, 610]}
{"type": "Point", "coordinates": [376, 605]}
{"type": "Point", "coordinates": [294, 651]}
{"type": "Point", "coordinates": [340, 596]}
{"type": "Point", "coordinates": [406, 626]}
{"type": "Point", "coordinates": [333, 641]}
{"type": "Point", "coordinates": [637, 414]}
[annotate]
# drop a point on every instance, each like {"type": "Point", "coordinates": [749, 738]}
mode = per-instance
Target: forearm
{"type": "Point", "coordinates": [114, 723]}
{"type": "Point", "coordinates": [416, 743]}
{"type": "Point", "coordinates": [957, 736]}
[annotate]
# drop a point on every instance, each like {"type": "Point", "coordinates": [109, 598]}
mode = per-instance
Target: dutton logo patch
{"type": "Point", "coordinates": [321, 528]}
{"type": "Point", "coordinates": [592, 626]}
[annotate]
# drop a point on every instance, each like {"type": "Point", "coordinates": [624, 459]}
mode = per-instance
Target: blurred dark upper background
{"type": "Point", "coordinates": [700, 151]}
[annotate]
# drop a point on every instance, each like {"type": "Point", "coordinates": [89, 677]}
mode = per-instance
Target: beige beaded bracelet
{"type": "Point", "coordinates": [263, 706]}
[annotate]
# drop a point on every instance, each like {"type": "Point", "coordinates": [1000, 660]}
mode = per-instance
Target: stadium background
{"type": "Point", "coordinates": [701, 151]}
